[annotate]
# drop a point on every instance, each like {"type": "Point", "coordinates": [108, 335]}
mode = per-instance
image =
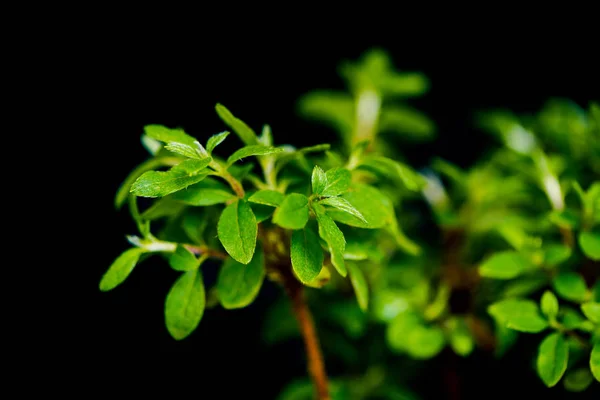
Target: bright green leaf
{"type": "Point", "coordinates": [185, 304]}
{"type": "Point", "coordinates": [185, 150]}
{"type": "Point", "coordinates": [206, 193]}
{"type": "Point", "coordinates": [245, 133]}
{"type": "Point", "coordinates": [595, 361]}
{"type": "Point", "coordinates": [215, 140]}
{"type": "Point", "coordinates": [590, 244]}
{"type": "Point", "coordinates": [556, 254]}
{"type": "Point", "coordinates": [504, 265]}
{"type": "Point", "coordinates": [461, 340]}
{"type": "Point", "coordinates": [306, 254]}
{"type": "Point", "coordinates": [337, 182]}
{"type": "Point", "coordinates": [344, 205]}
{"type": "Point", "coordinates": [239, 284]}
{"type": "Point", "coordinates": [336, 242]}
{"type": "Point", "coordinates": [293, 212]}
{"type": "Point", "coordinates": [592, 311]}
{"type": "Point", "coordinates": [158, 183]}
{"type": "Point", "coordinates": [549, 304]}
{"type": "Point", "coordinates": [359, 283]}
{"type": "Point", "coordinates": [570, 286]}
{"type": "Point", "coordinates": [318, 180]}
{"type": "Point", "coordinates": [237, 230]}
{"type": "Point", "coordinates": [425, 342]}
{"type": "Point", "coordinates": [520, 315]}
{"type": "Point", "coordinates": [120, 268]}
{"type": "Point", "coordinates": [267, 197]}
{"type": "Point", "coordinates": [168, 135]}
{"type": "Point", "coordinates": [373, 205]}
{"type": "Point", "coordinates": [183, 260]}
{"type": "Point", "coordinates": [578, 380]}
{"type": "Point", "coordinates": [254, 150]}
{"type": "Point", "coordinates": [552, 359]}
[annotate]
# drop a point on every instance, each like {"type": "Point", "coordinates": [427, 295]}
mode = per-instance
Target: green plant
{"type": "Point", "coordinates": [519, 226]}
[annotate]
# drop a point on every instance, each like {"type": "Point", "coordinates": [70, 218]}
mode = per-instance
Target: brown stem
{"type": "Point", "coordinates": [567, 236]}
{"type": "Point", "coordinates": [234, 183]}
{"type": "Point", "coordinates": [316, 365]}
{"type": "Point", "coordinates": [203, 250]}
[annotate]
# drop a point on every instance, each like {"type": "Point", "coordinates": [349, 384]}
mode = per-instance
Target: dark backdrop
{"type": "Point", "coordinates": [125, 344]}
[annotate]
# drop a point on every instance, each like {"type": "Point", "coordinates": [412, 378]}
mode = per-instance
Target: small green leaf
{"type": "Point", "coordinates": [578, 380]}
{"type": "Point", "coordinates": [336, 109]}
{"type": "Point", "coordinates": [590, 245]}
{"type": "Point", "coordinates": [570, 286]}
{"type": "Point", "coordinates": [344, 205]}
{"type": "Point", "coordinates": [520, 315]}
{"type": "Point", "coordinates": [245, 133]}
{"type": "Point", "coordinates": [254, 150]}
{"type": "Point", "coordinates": [595, 361]}
{"type": "Point", "coordinates": [504, 265]}
{"type": "Point", "coordinates": [359, 283]}
{"type": "Point", "coordinates": [185, 304]}
{"type": "Point", "coordinates": [158, 183]}
{"type": "Point", "coordinates": [461, 340]}
{"type": "Point", "coordinates": [168, 135]}
{"type": "Point", "coordinates": [336, 242]}
{"type": "Point", "coordinates": [337, 182]}
{"type": "Point", "coordinates": [215, 140]}
{"type": "Point", "coordinates": [267, 197]}
{"type": "Point", "coordinates": [306, 254]}
{"type": "Point", "coordinates": [406, 122]}
{"type": "Point", "coordinates": [205, 193]}
{"type": "Point", "coordinates": [425, 342]}
{"type": "Point", "coordinates": [549, 304]}
{"type": "Point", "coordinates": [556, 254]}
{"type": "Point", "coordinates": [373, 205]}
{"type": "Point", "coordinates": [571, 318]}
{"type": "Point", "coordinates": [293, 212]}
{"type": "Point", "coordinates": [239, 284]}
{"type": "Point", "coordinates": [397, 170]}
{"type": "Point", "coordinates": [237, 230]}
{"type": "Point", "coordinates": [592, 311]}
{"type": "Point", "coordinates": [552, 359]}
{"type": "Point", "coordinates": [120, 268]}
{"type": "Point", "coordinates": [318, 180]}
{"type": "Point", "coordinates": [184, 150]}
{"type": "Point", "coordinates": [183, 260]}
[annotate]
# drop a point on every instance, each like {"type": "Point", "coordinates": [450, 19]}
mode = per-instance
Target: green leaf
{"type": "Point", "coordinates": [245, 133]}
{"type": "Point", "coordinates": [343, 205]}
{"type": "Point", "coordinates": [168, 135]}
{"type": "Point", "coordinates": [164, 207]}
{"type": "Point", "coordinates": [373, 205]}
{"type": "Point", "coordinates": [215, 140]}
{"type": "Point", "coordinates": [595, 361]}
{"type": "Point", "coordinates": [407, 333]}
{"type": "Point", "coordinates": [359, 283]}
{"type": "Point", "coordinates": [237, 230]}
{"type": "Point", "coordinates": [519, 315]}
{"type": "Point", "coordinates": [318, 180]}
{"type": "Point", "coordinates": [293, 212]}
{"type": "Point", "coordinates": [504, 265]}
{"type": "Point", "coordinates": [266, 137]}
{"type": "Point", "coordinates": [396, 170]}
{"type": "Point", "coordinates": [336, 109]}
{"type": "Point", "coordinates": [552, 359]}
{"type": "Point", "coordinates": [120, 268]}
{"type": "Point", "coordinates": [461, 340]}
{"type": "Point", "coordinates": [306, 254]}
{"type": "Point", "coordinates": [336, 242]}
{"type": "Point", "coordinates": [153, 146]}
{"type": "Point", "coordinates": [571, 318]}
{"type": "Point", "coordinates": [158, 183]}
{"type": "Point", "coordinates": [267, 197]}
{"type": "Point", "coordinates": [254, 150]}
{"type": "Point", "coordinates": [183, 260]}
{"type": "Point", "coordinates": [407, 122]}
{"type": "Point", "coordinates": [337, 181]}
{"type": "Point", "coordinates": [578, 380]}
{"type": "Point", "coordinates": [570, 286]}
{"type": "Point", "coordinates": [185, 304]}
{"type": "Point", "coordinates": [549, 304]}
{"type": "Point", "coordinates": [556, 254]}
{"type": "Point", "coordinates": [184, 150]}
{"type": "Point", "coordinates": [592, 311]}
{"type": "Point", "coordinates": [262, 212]}
{"type": "Point", "coordinates": [239, 284]}
{"type": "Point", "coordinates": [205, 193]}
{"type": "Point", "coordinates": [590, 245]}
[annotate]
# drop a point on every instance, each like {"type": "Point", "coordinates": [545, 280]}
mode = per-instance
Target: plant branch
{"type": "Point", "coordinates": [203, 250]}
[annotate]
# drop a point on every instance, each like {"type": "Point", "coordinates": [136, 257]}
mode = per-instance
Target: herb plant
{"type": "Point", "coordinates": [517, 234]}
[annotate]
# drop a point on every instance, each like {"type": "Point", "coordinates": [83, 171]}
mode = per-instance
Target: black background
{"type": "Point", "coordinates": [134, 81]}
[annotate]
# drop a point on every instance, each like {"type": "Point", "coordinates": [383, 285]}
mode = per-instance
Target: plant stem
{"type": "Point", "coordinates": [316, 365]}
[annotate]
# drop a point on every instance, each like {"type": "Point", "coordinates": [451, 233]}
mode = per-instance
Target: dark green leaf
{"type": "Point", "coordinates": [205, 193]}
{"type": "Point", "coordinates": [245, 133]}
{"type": "Point", "coordinates": [267, 197]}
{"type": "Point", "coordinates": [318, 180]}
{"type": "Point", "coordinates": [336, 242]}
{"type": "Point", "coordinates": [293, 212]}
{"type": "Point", "coordinates": [556, 254]}
{"type": "Point", "coordinates": [359, 283]}
{"type": "Point", "coordinates": [549, 304]}
{"type": "Point", "coordinates": [578, 380]}
{"type": "Point", "coordinates": [590, 245]}
{"type": "Point", "coordinates": [239, 284]}
{"type": "Point", "coordinates": [237, 230]}
{"type": "Point", "coordinates": [595, 361]}
{"type": "Point", "coordinates": [520, 315]}
{"type": "Point", "coordinates": [165, 207]}
{"type": "Point", "coordinates": [194, 224]}
{"type": "Point", "coordinates": [570, 286]}
{"type": "Point", "coordinates": [183, 260]}
{"type": "Point", "coordinates": [184, 305]}
{"type": "Point", "coordinates": [120, 268]}
{"type": "Point", "coordinates": [253, 150]}
{"type": "Point", "coordinates": [394, 169]}
{"type": "Point", "coordinates": [407, 122]}
{"type": "Point", "coordinates": [592, 311]}
{"type": "Point", "coordinates": [571, 318]}
{"type": "Point", "coordinates": [261, 212]}
{"type": "Point", "coordinates": [504, 265]}
{"type": "Point", "coordinates": [158, 183]}
{"type": "Point", "coordinates": [344, 205]}
{"type": "Point", "coordinates": [552, 359]}
{"type": "Point", "coordinates": [215, 140]}
{"type": "Point", "coordinates": [337, 181]}
{"type": "Point", "coordinates": [306, 254]}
